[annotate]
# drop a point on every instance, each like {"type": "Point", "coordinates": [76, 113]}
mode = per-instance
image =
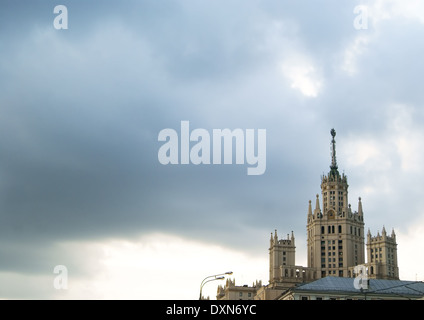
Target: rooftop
{"type": "Point", "coordinates": [377, 286]}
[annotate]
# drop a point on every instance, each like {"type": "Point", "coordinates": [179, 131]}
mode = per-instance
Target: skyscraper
{"type": "Point", "coordinates": [335, 242]}
{"type": "Point", "coordinates": [335, 233]}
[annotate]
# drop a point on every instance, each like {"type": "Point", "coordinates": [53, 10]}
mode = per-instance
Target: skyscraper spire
{"type": "Point", "coordinates": [333, 154]}
{"type": "Point", "coordinates": [333, 165]}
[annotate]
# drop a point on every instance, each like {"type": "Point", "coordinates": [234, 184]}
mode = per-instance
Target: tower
{"type": "Point", "coordinates": [335, 243]}
{"type": "Point", "coordinates": [382, 256]}
{"type": "Point", "coordinates": [281, 253]}
{"type": "Point", "coordinates": [335, 234]}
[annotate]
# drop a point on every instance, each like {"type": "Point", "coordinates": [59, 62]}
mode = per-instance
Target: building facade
{"type": "Point", "coordinates": [382, 256]}
{"type": "Point", "coordinates": [335, 234]}
{"type": "Point", "coordinates": [232, 292]}
{"type": "Point", "coordinates": [335, 242]}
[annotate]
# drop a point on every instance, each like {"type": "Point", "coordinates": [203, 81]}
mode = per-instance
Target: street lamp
{"type": "Point", "coordinates": [219, 276]}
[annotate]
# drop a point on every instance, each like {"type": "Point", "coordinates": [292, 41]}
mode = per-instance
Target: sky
{"type": "Point", "coordinates": [81, 185]}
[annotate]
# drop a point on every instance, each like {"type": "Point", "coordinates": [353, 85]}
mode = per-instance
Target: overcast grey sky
{"type": "Point", "coordinates": [81, 110]}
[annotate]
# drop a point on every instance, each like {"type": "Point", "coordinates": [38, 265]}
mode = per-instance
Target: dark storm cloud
{"type": "Point", "coordinates": [81, 147]}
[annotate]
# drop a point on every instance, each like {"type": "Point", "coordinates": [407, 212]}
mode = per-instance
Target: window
{"type": "Point", "coordinates": [340, 229]}
{"type": "Point", "coordinates": [322, 230]}
{"type": "Point", "coordinates": [304, 298]}
{"type": "Point", "coordinates": [249, 294]}
{"type": "Point", "coordinates": [240, 294]}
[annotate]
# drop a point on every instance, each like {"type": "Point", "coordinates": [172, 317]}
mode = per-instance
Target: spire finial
{"type": "Point", "coordinates": [333, 150]}
{"type": "Point", "coordinates": [333, 172]}
{"type": "Point", "coordinates": [310, 208]}
{"type": "Point", "coordinates": [317, 208]}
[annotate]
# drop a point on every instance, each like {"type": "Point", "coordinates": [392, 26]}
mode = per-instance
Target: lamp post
{"type": "Point", "coordinates": [219, 276]}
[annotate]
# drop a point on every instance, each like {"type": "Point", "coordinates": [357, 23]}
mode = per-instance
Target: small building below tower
{"type": "Point", "coordinates": [232, 292]}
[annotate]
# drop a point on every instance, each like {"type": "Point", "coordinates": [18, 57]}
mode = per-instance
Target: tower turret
{"type": "Point", "coordinates": [281, 254]}
{"type": "Point", "coordinates": [360, 212]}
{"type": "Point", "coordinates": [310, 211]}
{"type": "Point", "coordinates": [317, 208]}
{"type": "Point", "coordinates": [382, 256]}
